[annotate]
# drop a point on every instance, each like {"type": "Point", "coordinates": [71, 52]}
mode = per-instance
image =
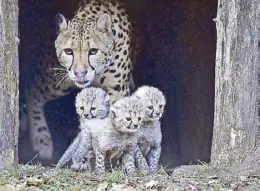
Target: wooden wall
{"type": "Point", "coordinates": [9, 74]}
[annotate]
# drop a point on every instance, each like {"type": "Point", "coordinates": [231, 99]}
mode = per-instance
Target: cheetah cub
{"type": "Point", "coordinates": [118, 134]}
{"type": "Point", "coordinates": [148, 151]}
{"type": "Point", "coordinates": [91, 104]}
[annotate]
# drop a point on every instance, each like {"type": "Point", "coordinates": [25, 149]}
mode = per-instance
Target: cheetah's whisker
{"type": "Point", "coordinates": [58, 74]}
{"type": "Point", "coordinates": [61, 80]}
{"type": "Point", "coordinates": [59, 69]}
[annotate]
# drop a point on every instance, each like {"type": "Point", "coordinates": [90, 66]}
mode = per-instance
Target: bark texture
{"type": "Point", "coordinates": [235, 116]}
{"type": "Point", "coordinates": [258, 96]}
{"type": "Point", "coordinates": [9, 71]}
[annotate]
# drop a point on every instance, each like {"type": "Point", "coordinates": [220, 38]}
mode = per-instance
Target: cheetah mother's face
{"type": "Point", "coordinates": [83, 47]}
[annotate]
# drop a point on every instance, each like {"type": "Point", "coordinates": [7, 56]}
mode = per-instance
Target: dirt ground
{"type": "Point", "coordinates": [202, 177]}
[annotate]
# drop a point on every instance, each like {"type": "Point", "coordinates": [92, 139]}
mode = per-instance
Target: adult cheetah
{"type": "Point", "coordinates": [96, 47]}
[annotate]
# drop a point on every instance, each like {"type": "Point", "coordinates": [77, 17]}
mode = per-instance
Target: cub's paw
{"type": "Point", "coordinates": [79, 167]}
{"type": "Point", "coordinates": [131, 172]}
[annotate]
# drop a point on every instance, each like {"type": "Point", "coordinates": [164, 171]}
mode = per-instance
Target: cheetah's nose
{"type": "Point", "coordinates": [81, 74]}
{"type": "Point", "coordinates": [135, 126]}
{"type": "Point", "coordinates": [86, 115]}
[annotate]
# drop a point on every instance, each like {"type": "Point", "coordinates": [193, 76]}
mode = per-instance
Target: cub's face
{"type": "Point", "coordinates": [127, 115]}
{"type": "Point", "coordinates": [92, 103]}
{"type": "Point", "coordinates": [83, 47]}
{"type": "Point", "coordinates": [153, 101]}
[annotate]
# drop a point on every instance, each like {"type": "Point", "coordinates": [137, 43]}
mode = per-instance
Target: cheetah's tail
{"type": "Point", "coordinates": [69, 152]}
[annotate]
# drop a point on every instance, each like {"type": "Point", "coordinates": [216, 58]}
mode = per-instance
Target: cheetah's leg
{"type": "Point", "coordinates": [153, 158]}
{"type": "Point", "coordinates": [140, 161]}
{"type": "Point", "coordinates": [100, 161]}
{"type": "Point", "coordinates": [90, 159]}
{"type": "Point", "coordinates": [39, 132]}
{"type": "Point", "coordinates": [39, 95]}
{"type": "Point", "coordinates": [128, 161]}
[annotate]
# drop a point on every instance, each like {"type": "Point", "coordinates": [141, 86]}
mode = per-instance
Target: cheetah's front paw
{"type": "Point", "coordinates": [43, 145]}
{"type": "Point", "coordinates": [143, 172]}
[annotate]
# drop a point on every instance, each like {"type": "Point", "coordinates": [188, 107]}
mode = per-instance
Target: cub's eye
{"type": "Point", "coordinates": [160, 106]}
{"type": "Point", "coordinates": [128, 119]}
{"type": "Point", "coordinates": [81, 108]}
{"type": "Point", "coordinates": [93, 108]}
{"type": "Point", "coordinates": [150, 107]}
{"type": "Point", "coordinates": [93, 51]}
{"type": "Point", "coordinates": [68, 51]}
{"type": "Point", "coordinates": [139, 118]}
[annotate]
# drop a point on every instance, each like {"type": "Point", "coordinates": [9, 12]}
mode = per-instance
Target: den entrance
{"type": "Point", "coordinates": [177, 56]}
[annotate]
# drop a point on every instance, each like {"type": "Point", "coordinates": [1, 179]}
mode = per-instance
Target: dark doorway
{"type": "Point", "coordinates": [178, 56]}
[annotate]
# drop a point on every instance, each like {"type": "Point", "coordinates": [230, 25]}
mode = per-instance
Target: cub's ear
{"type": "Point", "coordinates": [107, 97]}
{"type": "Point", "coordinates": [104, 23]}
{"type": "Point", "coordinates": [140, 92]}
{"type": "Point", "coordinates": [113, 112]}
{"type": "Point", "coordinates": [61, 23]}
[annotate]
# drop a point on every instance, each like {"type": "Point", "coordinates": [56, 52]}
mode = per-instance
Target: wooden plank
{"type": "Point", "coordinates": [9, 75]}
{"type": "Point", "coordinates": [235, 117]}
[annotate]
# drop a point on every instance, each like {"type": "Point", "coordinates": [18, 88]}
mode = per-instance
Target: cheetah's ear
{"type": "Point", "coordinates": [61, 23]}
{"type": "Point", "coordinates": [104, 23]}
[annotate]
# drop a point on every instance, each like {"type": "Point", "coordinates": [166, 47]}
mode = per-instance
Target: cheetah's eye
{"type": "Point", "coordinates": [160, 106]}
{"type": "Point", "coordinates": [150, 107]}
{"type": "Point", "coordinates": [93, 51]}
{"type": "Point", "coordinates": [68, 51]}
{"type": "Point", "coordinates": [93, 108]}
{"type": "Point", "coordinates": [128, 119]}
{"type": "Point", "coordinates": [82, 108]}
{"type": "Point", "coordinates": [139, 118]}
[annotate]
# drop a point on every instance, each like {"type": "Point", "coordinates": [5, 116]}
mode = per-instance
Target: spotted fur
{"type": "Point", "coordinates": [118, 134]}
{"type": "Point", "coordinates": [148, 151]}
{"type": "Point", "coordinates": [91, 104]}
{"type": "Point", "coordinates": [95, 47]}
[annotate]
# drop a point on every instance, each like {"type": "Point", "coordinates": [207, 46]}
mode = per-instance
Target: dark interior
{"type": "Point", "coordinates": [177, 56]}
